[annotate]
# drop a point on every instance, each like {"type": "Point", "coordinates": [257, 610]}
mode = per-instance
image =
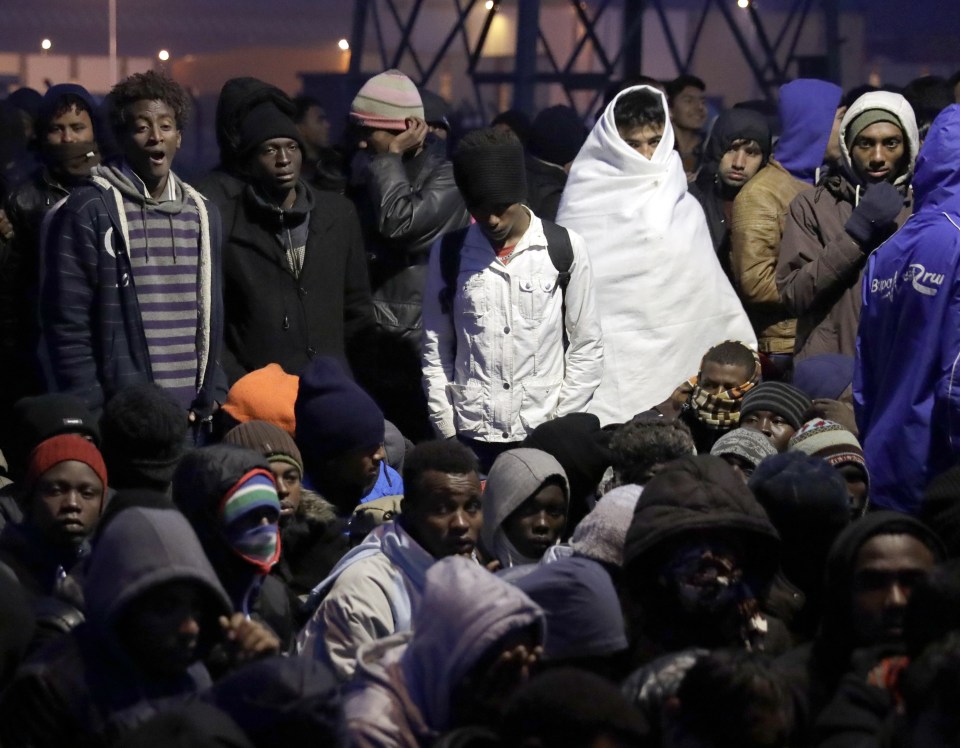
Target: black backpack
{"type": "Point", "coordinates": [558, 245]}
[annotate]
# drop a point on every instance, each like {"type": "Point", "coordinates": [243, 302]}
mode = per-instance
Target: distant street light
{"type": "Point", "coordinates": [46, 44]}
{"type": "Point", "coordinates": [743, 4]}
{"type": "Point", "coordinates": [163, 55]}
{"type": "Point", "coordinates": [488, 5]}
{"type": "Point", "coordinates": [343, 44]}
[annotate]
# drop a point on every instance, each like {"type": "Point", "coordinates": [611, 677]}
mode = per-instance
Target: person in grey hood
{"type": "Point", "coordinates": [524, 506]}
{"type": "Point", "coordinates": [130, 291]}
{"type": "Point", "coordinates": [831, 230]}
{"type": "Point", "coordinates": [154, 609]}
{"type": "Point", "coordinates": [474, 641]}
{"type": "Point", "coordinates": [295, 275]}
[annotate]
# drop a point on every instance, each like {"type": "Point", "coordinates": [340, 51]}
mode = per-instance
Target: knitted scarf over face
{"type": "Point", "coordinates": [253, 498]}
{"type": "Point", "coordinates": [722, 410]}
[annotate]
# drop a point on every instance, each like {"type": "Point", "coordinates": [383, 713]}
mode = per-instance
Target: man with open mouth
{"type": "Point", "coordinates": [130, 291]}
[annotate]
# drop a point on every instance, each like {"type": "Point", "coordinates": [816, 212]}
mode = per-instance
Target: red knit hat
{"type": "Point", "coordinates": [62, 448]}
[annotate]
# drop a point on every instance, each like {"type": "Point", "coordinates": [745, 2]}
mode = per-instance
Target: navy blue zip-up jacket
{"type": "Point", "coordinates": [92, 342]}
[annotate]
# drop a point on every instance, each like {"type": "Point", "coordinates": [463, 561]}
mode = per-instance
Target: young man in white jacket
{"type": "Point", "coordinates": [495, 361]}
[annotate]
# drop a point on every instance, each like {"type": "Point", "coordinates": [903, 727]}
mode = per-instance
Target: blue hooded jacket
{"type": "Point", "coordinates": [807, 110]}
{"type": "Point", "coordinates": [906, 383]}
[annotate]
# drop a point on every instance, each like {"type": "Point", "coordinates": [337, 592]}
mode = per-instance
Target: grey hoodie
{"type": "Point", "coordinates": [516, 475]}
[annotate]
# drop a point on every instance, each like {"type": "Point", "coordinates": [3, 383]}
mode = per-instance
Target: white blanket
{"type": "Point", "coordinates": [662, 295]}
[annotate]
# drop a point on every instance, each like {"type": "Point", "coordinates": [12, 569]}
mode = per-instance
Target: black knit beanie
{"type": "Point", "coordinates": [144, 431]}
{"type": "Point", "coordinates": [264, 122]}
{"type": "Point", "coordinates": [777, 397]}
{"type": "Point", "coordinates": [42, 416]}
{"type": "Point", "coordinates": [489, 174]}
{"type": "Point", "coordinates": [557, 135]}
{"type": "Point", "coordinates": [334, 414]}
{"type": "Point", "coordinates": [807, 501]}
{"type": "Point", "coordinates": [37, 418]}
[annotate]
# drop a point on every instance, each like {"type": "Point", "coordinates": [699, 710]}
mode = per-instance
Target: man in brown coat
{"type": "Point", "coordinates": [808, 110]}
{"type": "Point", "coordinates": [831, 230]}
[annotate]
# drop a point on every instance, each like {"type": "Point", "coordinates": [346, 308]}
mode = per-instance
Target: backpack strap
{"type": "Point", "coordinates": [450, 246]}
{"type": "Point", "coordinates": [561, 255]}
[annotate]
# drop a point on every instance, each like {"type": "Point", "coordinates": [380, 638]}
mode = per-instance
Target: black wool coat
{"type": "Point", "coordinates": [272, 316]}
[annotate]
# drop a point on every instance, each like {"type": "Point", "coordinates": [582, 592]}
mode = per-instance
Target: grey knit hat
{"type": "Point", "coordinates": [747, 444]}
{"type": "Point", "coordinates": [603, 532]}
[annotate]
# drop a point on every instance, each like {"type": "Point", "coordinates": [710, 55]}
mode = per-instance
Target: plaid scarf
{"type": "Point", "coordinates": [722, 411]}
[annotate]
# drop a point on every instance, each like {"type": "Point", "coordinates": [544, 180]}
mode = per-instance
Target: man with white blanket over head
{"type": "Point", "coordinates": [663, 297]}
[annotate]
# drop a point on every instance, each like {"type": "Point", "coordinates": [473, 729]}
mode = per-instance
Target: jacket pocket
{"type": "Point", "coordinates": [468, 406]}
{"type": "Point", "coordinates": [539, 404]}
{"type": "Point", "coordinates": [535, 293]}
{"type": "Point", "coordinates": [472, 301]}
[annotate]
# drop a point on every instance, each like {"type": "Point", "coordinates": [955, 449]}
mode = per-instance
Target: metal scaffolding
{"type": "Point", "coordinates": [388, 19]}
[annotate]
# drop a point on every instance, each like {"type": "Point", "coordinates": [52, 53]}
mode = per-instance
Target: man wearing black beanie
{"type": "Point", "coordinates": [494, 362]}
{"type": "Point", "coordinates": [295, 277]}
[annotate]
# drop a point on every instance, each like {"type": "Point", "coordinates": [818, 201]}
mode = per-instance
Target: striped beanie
{"type": "Point", "coordinates": [257, 543]}
{"type": "Point", "coordinates": [829, 440]}
{"type": "Point", "coordinates": [777, 397]}
{"type": "Point", "coordinates": [386, 102]}
{"type": "Point", "coordinates": [256, 490]}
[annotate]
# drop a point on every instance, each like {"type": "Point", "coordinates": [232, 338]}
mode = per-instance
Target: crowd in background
{"type": "Point", "coordinates": [638, 434]}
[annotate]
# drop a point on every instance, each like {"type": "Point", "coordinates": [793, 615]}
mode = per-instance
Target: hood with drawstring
{"type": "Point", "coordinates": [402, 693]}
{"type": "Point", "coordinates": [808, 108]}
{"type": "Point", "coordinates": [889, 107]}
{"type": "Point", "coordinates": [516, 476]}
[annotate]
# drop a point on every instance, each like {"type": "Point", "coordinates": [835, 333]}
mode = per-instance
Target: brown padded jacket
{"type": "Point", "coordinates": [759, 213]}
{"type": "Point", "coordinates": [821, 265]}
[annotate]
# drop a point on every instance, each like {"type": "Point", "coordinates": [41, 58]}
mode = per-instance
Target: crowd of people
{"type": "Point", "coordinates": [642, 434]}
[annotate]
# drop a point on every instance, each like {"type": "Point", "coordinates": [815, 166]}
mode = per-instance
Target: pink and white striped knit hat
{"type": "Point", "coordinates": [386, 102]}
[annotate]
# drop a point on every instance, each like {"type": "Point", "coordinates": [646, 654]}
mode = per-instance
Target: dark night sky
{"type": "Point", "coordinates": [917, 31]}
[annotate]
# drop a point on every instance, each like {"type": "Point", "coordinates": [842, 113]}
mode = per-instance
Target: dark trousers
{"type": "Point", "coordinates": [487, 452]}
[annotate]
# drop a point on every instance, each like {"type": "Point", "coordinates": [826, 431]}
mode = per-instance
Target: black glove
{"type": "Point", "coordinates": [873, 219]}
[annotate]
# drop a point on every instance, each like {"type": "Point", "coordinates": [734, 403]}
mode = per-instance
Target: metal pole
{"type": "Point", "coordinates": [632, 39]}
{"type": "Point", "coordinates": [357, 34]}
{"type": "Point", "coordinates": [525, 62]}
{"type": "Point", "coordinates": [114, 73]}
{"type": "Point", "coordinates": [831, 25]}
